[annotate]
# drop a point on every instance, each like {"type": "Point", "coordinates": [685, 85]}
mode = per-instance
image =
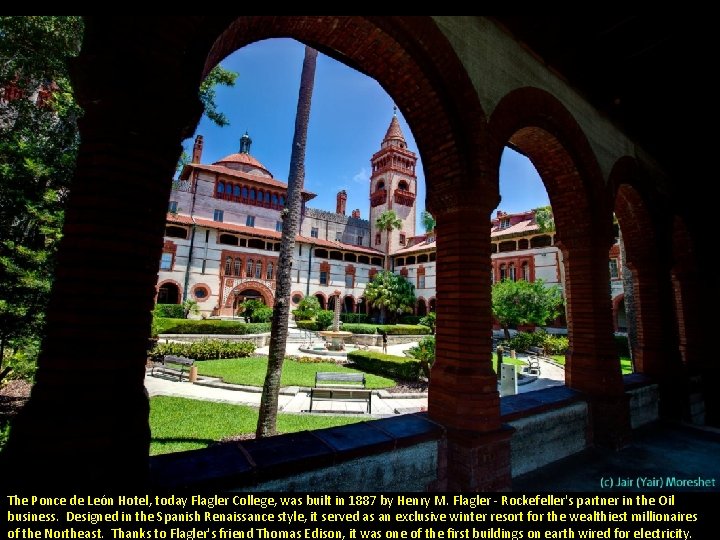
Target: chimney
{"type": "Point", "coordinates": [197, 149]}
{"type": "Point", "coordinates": [341, 200]}
{"type": "Point", "coordinates": [356, 213]}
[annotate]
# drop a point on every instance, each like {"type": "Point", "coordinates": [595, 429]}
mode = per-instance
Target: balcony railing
{"type": "Point", "coordinates": [248, 201]}
{"type": "Point", "coordinates": [378, 198]}
{"type": "Point", "coordinates": [406, 198]}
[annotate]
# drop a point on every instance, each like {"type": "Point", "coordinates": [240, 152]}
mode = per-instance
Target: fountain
{"type": "Point", "coordinates": [335, 338]}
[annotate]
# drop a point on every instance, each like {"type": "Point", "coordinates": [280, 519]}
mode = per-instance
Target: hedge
{"type": "Point", "coordinates": [172, 311]}
{"type": "Point", "coordinates": [362, 318]}
{"type": "Point", "coordinates": [409, 319]}
{"type": "Point", "coordinates": [391, 329]}
{"type": "Point", "coordinates": [188, 326]}
{"type": "Point", "coordinates": [386, 365]}
{"type": "Point", "coordinates": [207, 349]}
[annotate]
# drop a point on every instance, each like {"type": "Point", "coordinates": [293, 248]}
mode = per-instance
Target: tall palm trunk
{"type": "Point", "coordinates": [387, 249]}
{"type": "Point", "coordinates": [267, 418]}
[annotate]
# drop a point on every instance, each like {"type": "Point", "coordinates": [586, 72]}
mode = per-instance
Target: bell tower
{"type": "Point", "coordinates": [393, 186]}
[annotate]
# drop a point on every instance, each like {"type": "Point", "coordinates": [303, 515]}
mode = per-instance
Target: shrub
{"type": "Point", "coordinates": [207, 349]}
{"type": "Point", "coordinates": [386, 365]}
{"type": "Point", "coordinates": [362, 318]}
{"type": "Point", "coordinates": [307, 309]}
{"type": "Point", "coordinates": [169, 311]}
{"type": "Point", "coordinates": [391, 329]}
{"type": "Point", "coordinates": [429, 321]}
{"type": "Point", "coordinates": [556, 344]}
{"type": "Point", "coordinates": [552, 344]}
{"type": "Point", "coordinates": [22, 362]}
{"type": "Point", "coordinates": [323, 319]}
{"type": "Point", "coordinates": [261, 314]}
{"type": "Point", "coordinates": [424, 351]}
{"type": "Point", "coordinates": [306, 325]}
{"type": "Point", "coordinates": [185, 326]}
{"type": "Point", "coordinates": [409, 319]}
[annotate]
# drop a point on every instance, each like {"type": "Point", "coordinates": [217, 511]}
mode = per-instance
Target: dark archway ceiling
{"type": "Point", "coordinates": [650, 74]}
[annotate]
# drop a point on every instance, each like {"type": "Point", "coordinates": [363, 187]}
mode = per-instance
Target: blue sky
{"type": "Point", "coordinates": [349, 116]}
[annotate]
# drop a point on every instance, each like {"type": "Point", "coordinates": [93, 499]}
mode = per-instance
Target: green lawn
{"type": "Point", "coordinates": [625, 362]}
{"type": "Point", "coordinates": [179, 424]}
{"type": "Point", "coordinates": [507, 360]}
{"type": "Point", "coordinates": [251, 372]}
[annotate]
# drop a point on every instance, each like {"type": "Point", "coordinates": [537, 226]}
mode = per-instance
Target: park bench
{"type": "Point", "coordinates": [330, 386]}
{"type": "Point", "coordinates": [534, 355]}
{"type": "Point", "coordinates": [172, 360]}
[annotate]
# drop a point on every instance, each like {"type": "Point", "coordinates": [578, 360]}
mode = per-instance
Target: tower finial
{"type": "Point", "coordinates": [245, 142]}
{"type": "Point", "coordinates": [394, 110]}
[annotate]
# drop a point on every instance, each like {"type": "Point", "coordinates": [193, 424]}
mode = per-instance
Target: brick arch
{"type": "Point", "coordinates": [406, 66]}
{"type": "Point", "coordinates": [322, 295]}
{"type": "Point", "coordinates": [267, 294]}
{"type": "Point", "coordinates": [172, 281]}
{"type": "Point", "coordinates": [537, 124]}
{"type": "Point", "coordinates": [616, 307]}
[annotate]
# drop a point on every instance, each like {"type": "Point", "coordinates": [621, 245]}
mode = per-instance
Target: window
{"type": "Point", "coordinates": [172, 231]}
{"type": "Point", "coordinates": [221, 188]}
{"type": "Point", "coordinates": [218, 215]}
{"type": "Point", "coordinates": [314, 232]}
{"type": "Point", "coordinates": [614, 273]}
{"type": "Point", "coordinates": [349, 281]}
{"type": "Point", "coordinates": [250, 221]}
{"type": "Point", "coordinates": [275, 199]}
{"type": "Point", "coordinates": [278, 226]}
{"type": "Point", "coordinates": [511, 271]}
{"type": "Point", "coordinates": [166, 261]}
{"type": "Point", "coordinates": [492, 275]}
{"type": "Point", "coordinates": [526, 271]}
{"type": "Point", "coordinates": [172, 207]}
{"type": "Point", "coordinates": [338, 236]}
{"type": "Point", "coordinates": [244, 192]}
{"type": "Point", "coordinates": [503, 273]}
{"type": "Point", "coordinates": [228, 266]}
{"type": "Point", "coordinates": [359, 240]}
{"type": "Point", "coordinates": [504, 223]}
{"type": "Point", "coordinates": [402, 239]}
{"type": "Point", "coordinates": [201, 293]}
{"type": "Point", "coordinates": [236, 191]}
{"type": "Point", "coordinates": [267, 196]}
{"type": "Point", "coordinates": [323, 277]}
{"type": "Point", "coordinates": [378, 239]}
{"type": "Point", "coordinates": [282, 200]}
{"type": "Point", "coordinates": [237, 266]}
{"type": "Point", "coordinates": [420, 282]}
{"type": "Point", "coordinates": [249, 268]}
{"type": "Point", "coordinates": [252, 194]}
{"type": "Point", "coordinates": [258, 270]}
{"type": "Point", "coordinates": [269, 272]}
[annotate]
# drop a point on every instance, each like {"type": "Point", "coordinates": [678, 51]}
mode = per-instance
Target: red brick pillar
{"type": "Point", "coordinates": [592, 365]}
{"type": "Point", "coordinates": [87, 419]}
{"type": "Point", "coordinates": [463, 395]}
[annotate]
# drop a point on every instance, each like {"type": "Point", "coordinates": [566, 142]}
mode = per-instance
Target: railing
{"type": "Point", "coordinates": [379, 197]}
{"type": "Point", "coordinates": [406, 198]}
{"type": "Point", "coordinates": [248, 201]}
{"type": "Point", "coordinates": [182, 185]}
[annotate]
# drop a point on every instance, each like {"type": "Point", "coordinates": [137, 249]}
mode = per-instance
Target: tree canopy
{"type": "Point", "coordinates": [392, 293]}
{"type": "Point", "coordinates": [428, 221]}
{"type": "Point", "coordinates": [525, 302]}
{"type": "Point", "coordinates": [545, 219]}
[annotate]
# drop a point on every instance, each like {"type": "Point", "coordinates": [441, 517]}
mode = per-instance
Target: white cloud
{"type": "Point", "coordinates": [361, 177]}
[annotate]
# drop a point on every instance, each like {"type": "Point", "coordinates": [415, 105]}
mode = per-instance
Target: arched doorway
{"type": "Point", "coordinates": [349, 305]}
{"type": "Point", "coordinates": [421, 307]}
{"type": "Point", "coordinates": [246, 294]}
{"type": "Point", "coordinates": [321, 300]}
{"type": "Point", "coordinates": [168, 293]}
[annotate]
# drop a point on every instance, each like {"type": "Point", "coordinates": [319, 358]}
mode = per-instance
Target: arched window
{"type": "Point", "coordinates": [511, 271]}
{"type": "Point", "coordinates": [244, 192]}
{"type": "Point", "coordinates": [221, 187]}
{"type": "Point", "coordinates": [267, 196]}
{"type": "Point", "coordinates": [260, 195]}
{"type": "Point", "coordinates": [380, 186]}
{"type": "Point", "coordinates": [249, 270]}
{"type": "Point", "coordinates": [252, 194]}
{"type": "Point", "coordinates": [269, 273]}
{"type": "Point", "coordinates": [228, 266]}
{"type": "Point", "coordinates": [403, 185]}
{"type": "Point", "coordinates": [526, 271]}
{"type": "Point", "coordinates": [282, 200]}
{"type": "Point", "coordinates": [258, 270]}
{"type": "Point", "coordinates": [236, 190]}
{"type": "Point", "coordinates": [503, 272]}
{"type": "Point", "coordinates": [238, 266]}
{"type": "Point", "coordinates": [275, 199]}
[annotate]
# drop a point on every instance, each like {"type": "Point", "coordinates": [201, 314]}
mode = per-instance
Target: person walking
{"type": "Point", "coordinates": [383, 333]}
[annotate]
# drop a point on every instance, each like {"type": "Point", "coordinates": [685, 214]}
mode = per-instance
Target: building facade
{"type": "Point", "coordinates": [224, 229]}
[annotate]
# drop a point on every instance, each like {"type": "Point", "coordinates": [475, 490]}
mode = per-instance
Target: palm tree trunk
{"type": "Point", "coordinates": [387, 250]}
{"type": "Point", "coordinates": [267, 418]}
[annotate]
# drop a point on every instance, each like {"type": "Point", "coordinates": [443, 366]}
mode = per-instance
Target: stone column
{"type": "Point", "coordinates": [463, 394]}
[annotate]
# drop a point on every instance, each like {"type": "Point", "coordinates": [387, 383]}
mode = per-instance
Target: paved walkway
{"type": "Point", "coordinates": [296, 400]}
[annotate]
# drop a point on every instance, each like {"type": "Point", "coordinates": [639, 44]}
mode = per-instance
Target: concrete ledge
{"type": "Point", "coordinates": [260, 340]}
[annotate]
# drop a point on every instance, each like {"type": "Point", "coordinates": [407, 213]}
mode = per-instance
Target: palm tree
{"type": "Point", "coordinates": [428, 221]}
{"type": "Point", "coordinates": [388, 221]}
{"type": "Point", "coordinates": [267, 417]}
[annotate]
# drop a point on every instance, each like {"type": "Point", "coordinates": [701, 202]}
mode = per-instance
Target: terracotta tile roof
{"type": "Point", "coordinates": [267, 233]}
{"type": "Point", "coordinates": [423, 246]}
{"type": "Point", "coordinates": [394, 131]}
{"type": "Point", "coordinates": [256, 178]}
{"type": "Point", "coordinates": [243, 158]}
{"type": "Point", "coordinates": [523, 227]}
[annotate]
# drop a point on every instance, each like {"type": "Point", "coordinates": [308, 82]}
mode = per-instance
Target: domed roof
{"type": "Point", "coordinates": [243, 160]}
